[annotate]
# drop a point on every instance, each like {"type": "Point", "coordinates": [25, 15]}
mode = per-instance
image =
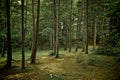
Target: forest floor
{"type": "Point", "coordinates": [70, 66]}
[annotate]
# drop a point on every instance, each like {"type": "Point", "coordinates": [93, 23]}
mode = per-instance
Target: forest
{"type": "Point", "coordinates": [60, 40]}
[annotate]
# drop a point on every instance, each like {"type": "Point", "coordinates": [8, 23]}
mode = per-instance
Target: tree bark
{"type": "Point", "coordinates": [57, 31]}
{"type": "Point", "coordinates": [9, 47]}
{"type": "Point", "coordinates": [70, 26]}
{"type": "Point", "coordinates": [95, 33]}
{"type": "Point", "coordinates": [83, 26]}
{"type": "Point", "coordinates": [23, 36]}
{"type": "Point", "coordinates": [86, 48]}
{"type": "Point", "coordinates": [35, 32]}
{"type": "Point", "coordinates": [55, 19]}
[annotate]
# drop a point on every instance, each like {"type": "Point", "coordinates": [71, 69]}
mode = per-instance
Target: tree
{"type": "Point", "coordinates": [83, 26]}
{"type": "Point", "coordinates": [23, 35]}
{"type": "Point", "coordinates": [57, 31]}
{"type": "Point", "coordinates": [35, 32]}
{"type": "Point", "coordinates": [9, 47]}
{"type": "Point", "coordinates": [95, 33]}
{"type": "Point", "coordinates": [55, 24]}
{"type": "Point", "coordinates": [70, 26]}
{"type": "Point", "coordinates": [113, 38]}
{"type": "Point", "coordinates": [86, 6]}
{"type": "Point", "coordinates": [33, 35]}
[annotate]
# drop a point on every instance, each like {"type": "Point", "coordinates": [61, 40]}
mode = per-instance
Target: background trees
{"type": "Point", "coordinates": [112, 37]}
{"type": "Point", "coordinates": [65, 23]}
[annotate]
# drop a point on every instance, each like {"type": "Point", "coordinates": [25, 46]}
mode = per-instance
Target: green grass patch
{"type": "Point", "coordinates": [93, 60]}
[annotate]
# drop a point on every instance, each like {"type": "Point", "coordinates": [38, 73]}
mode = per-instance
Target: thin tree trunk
{"type": "Point", "coordinates": [23, 36]}
{"type": "Point", "coordinates": [55, 19]}
{"type": "Point", "coordinates": [95, 33]}
{"type": "Point", "coordinates": [9, 47]}
{"type": "Point", "coordinates": [83, 26]}
{"type": "Point", "coordinates": [57, 30]}
{"type": "Point", "coordinates": [70, 26]}
{"type": "Point", "coordinates": [37, 22]}
{"type": "Point", "coordinates": [33, 33]}
{"type": "Point", "coordinates": [86, 49]}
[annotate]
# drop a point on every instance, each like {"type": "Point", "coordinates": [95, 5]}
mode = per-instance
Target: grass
{"type": "Point", "coordinates": [71, 66]}
{"type": "Point", "coordinates": [16, 54]}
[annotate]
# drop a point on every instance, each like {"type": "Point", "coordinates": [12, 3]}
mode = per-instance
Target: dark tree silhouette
{"type": "Point", "coordinates": [9, 47]}
{"type": "Point", "coordinates": [23, 36]}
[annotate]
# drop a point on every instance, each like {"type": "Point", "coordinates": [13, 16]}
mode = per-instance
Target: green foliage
{"type": "Point", "coordinates": [110, 51]}
{"type": "Point", "coordinates": [114, 23]}
{"type": "Point", "coordinates": [46, 32]}
{"type": "Point", "coordinates": [2, 34]}
{"type": "Point", "coordinates": [93, 60]}
{"type": "Point", "coordinates": [46, 20]}
{"type": "Point", "coordinates": [111, 39]}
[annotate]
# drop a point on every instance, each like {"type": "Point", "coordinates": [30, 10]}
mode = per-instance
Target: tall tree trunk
{"type": "Point", "coordinates": [35, 33]}
{"type": "Point", "coordinates": [83, 26]}
{"type": "Point", "coordinates": [70, 26]}
{"type": "Point", "coordinates": [86, 6]}
{"type": "Point", "coordinates": [23, 36]}
{"type": "Point", "coordinates": [57, 31]}
{"type": "Point", "coordinates": [55, 19]}
{"type": "Point", "coordinates": [37, 22]}
{"type": "Point", "coordinates": [95, 33]}
{"type": "Point", "coordinates": [9, 47]}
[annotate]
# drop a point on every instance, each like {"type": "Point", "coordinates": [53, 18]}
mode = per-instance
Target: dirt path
{"type": "Point", "coordinates": [68, 67]}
